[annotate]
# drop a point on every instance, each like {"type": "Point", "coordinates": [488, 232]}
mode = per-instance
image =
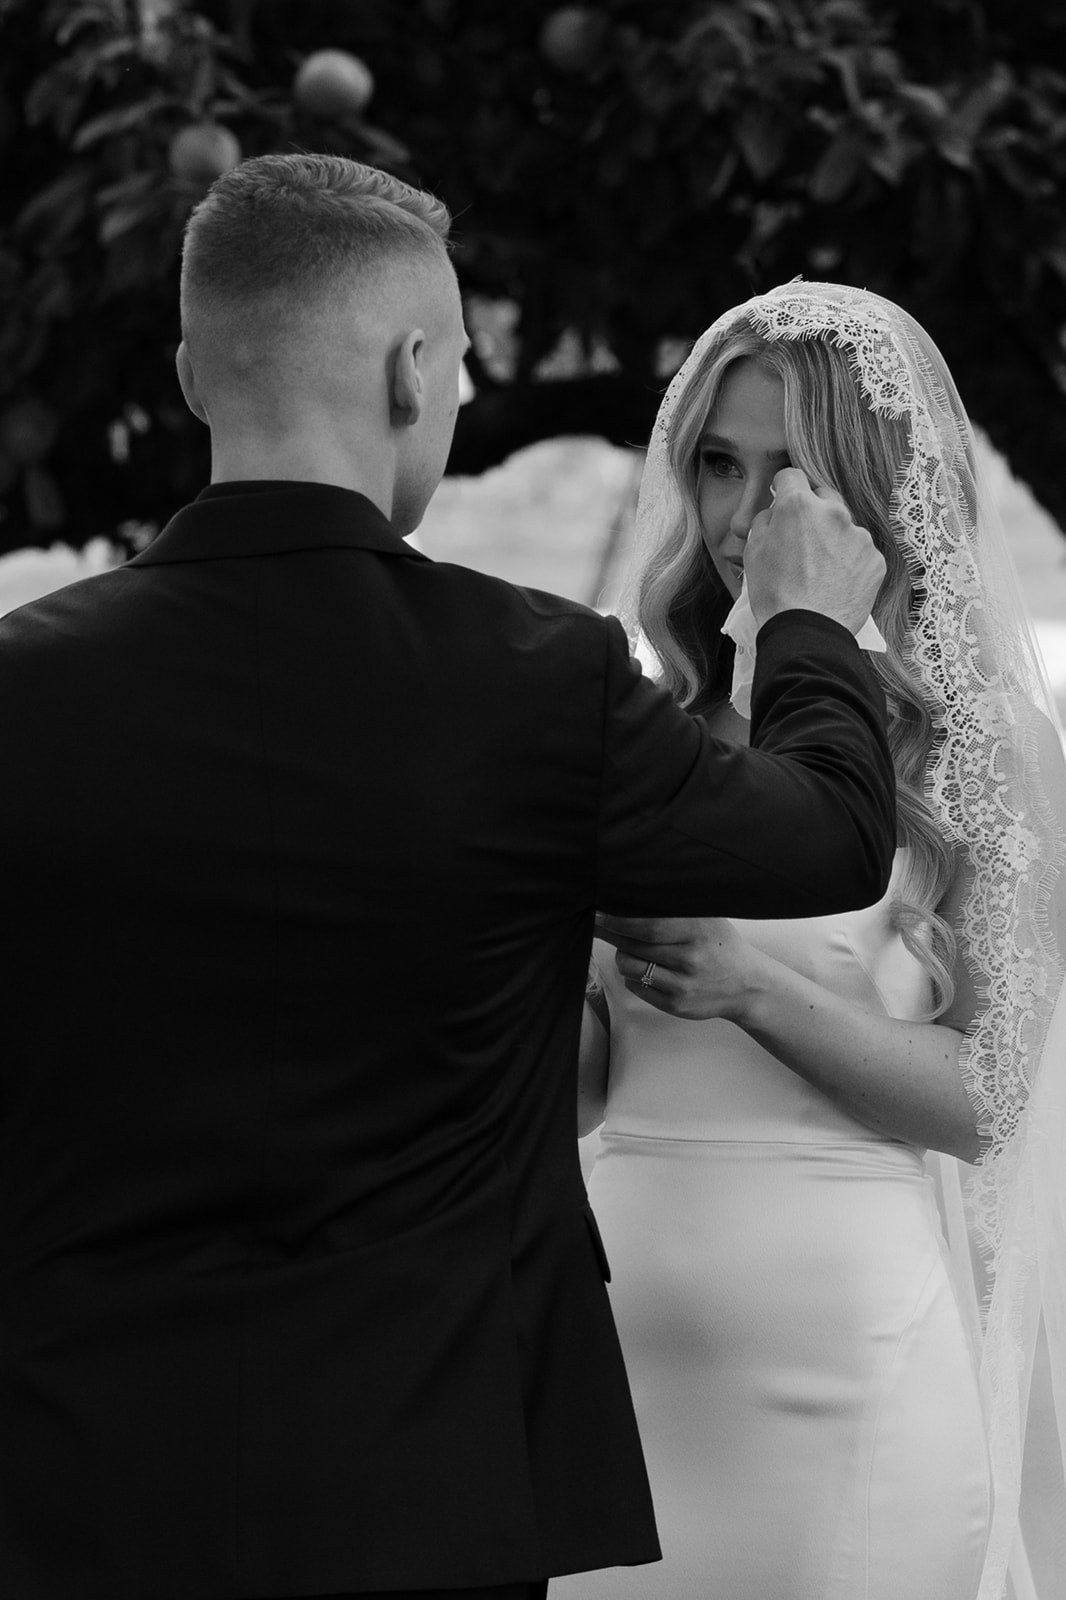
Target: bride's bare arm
{"type": "Point", "coordinates": [901, 1079]}
{"type": "Point", "coordinates": [593, 1063]}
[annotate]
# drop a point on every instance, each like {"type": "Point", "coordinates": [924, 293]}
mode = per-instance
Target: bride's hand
{"type": "Point", "coordinates": [692, 967]}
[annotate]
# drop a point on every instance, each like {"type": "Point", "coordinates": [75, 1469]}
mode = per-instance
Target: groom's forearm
{"type": "Point", "coordinates": [817, 705]}
{"type": "Point", "coordinates": [801, 825]}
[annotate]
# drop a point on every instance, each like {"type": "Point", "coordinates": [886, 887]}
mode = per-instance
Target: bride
{"type": "Point", "coordinates": [832, 1385]}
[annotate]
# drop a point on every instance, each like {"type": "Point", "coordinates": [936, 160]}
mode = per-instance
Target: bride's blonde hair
{"type": "Point", "coordinates": [680, 603]}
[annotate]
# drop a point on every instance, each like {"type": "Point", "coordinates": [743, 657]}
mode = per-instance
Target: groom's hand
{"type": "Point", "coordinates": [806, 553]}
{"type": "Point", "coordinates": [691, 967]}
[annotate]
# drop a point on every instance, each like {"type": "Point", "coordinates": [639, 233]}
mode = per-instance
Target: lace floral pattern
{"type": "Point", "coordinates": [980, 782]}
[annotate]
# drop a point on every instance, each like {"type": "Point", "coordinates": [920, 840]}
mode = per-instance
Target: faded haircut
{"type": "Point", "coordinates": [297, 225]}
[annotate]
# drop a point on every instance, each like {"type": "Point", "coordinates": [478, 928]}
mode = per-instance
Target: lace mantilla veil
{"type": "Point", "coordinates": [997, 781]}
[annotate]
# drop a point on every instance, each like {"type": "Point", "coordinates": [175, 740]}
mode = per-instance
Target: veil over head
{"type": "Point", "coordinates": [996, 781]}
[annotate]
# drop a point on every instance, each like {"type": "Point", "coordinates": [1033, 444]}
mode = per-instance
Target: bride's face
{"type": "Point", "coordinates": [741, 447]}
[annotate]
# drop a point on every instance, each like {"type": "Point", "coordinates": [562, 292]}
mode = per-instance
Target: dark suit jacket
{"type": "Point", "coordinates": [303, 835]}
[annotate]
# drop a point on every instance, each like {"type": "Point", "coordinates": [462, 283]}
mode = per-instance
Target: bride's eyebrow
{"type": "Point", "coordinates": [719, 442]}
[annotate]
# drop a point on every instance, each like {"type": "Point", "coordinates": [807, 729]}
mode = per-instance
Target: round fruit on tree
{"type": "Point", "coordinates": [573, 37]}
{"type": "Point", "coordinates": [333, 84]}
{"type": "Point", "coordinates": [202, 152]}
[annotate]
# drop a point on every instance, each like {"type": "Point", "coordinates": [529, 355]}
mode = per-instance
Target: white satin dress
{"type": "Point", "coordinates": [805, 1390]}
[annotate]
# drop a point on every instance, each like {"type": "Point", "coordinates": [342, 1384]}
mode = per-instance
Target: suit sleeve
{"type": "Point", "coordinates": [802, 823]}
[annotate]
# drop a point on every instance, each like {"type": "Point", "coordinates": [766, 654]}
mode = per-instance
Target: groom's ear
{"type": "Point", "coordinates": [406, 381]}
{"type": "Point", "coordinates": [187, 379]}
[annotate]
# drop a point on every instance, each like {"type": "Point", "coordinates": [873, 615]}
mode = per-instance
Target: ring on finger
{"type": "Point", "coordinates": [646, 975]}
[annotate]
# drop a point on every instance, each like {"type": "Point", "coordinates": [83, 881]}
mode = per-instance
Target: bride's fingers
{"type": "Point", "coordinates": [661, 999]}
{"type": "Point", "coordinates": [634, 969]}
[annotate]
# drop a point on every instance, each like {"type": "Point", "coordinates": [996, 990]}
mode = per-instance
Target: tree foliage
{"type": "Point", "coordinates": [620, 172]}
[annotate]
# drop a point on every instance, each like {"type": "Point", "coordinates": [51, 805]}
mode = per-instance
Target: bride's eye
{"type": "Point", "coordinates": [718, 465]}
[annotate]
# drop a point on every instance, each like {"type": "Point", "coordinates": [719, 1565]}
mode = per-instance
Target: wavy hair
{"type": "Point", "coordinates": [679, 602]}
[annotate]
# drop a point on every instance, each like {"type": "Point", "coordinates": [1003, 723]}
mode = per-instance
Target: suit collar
{"type": "Point", "coordinates": [268, 517]}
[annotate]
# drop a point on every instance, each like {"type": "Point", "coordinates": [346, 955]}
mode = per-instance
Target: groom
{"type": "Point", "coordinates": [305, 833]}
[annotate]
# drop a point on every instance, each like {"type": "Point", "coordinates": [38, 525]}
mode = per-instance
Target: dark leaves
{"type": "Point", "coordinates": [708, 149]}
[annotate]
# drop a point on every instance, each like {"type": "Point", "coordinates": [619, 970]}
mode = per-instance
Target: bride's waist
{"type": "Point", "coordinates": [816, 1137]}
{"type": "Point", "coordinates": [781, 1147]}
{"type": "Point", "coordinates": [822, 1125]}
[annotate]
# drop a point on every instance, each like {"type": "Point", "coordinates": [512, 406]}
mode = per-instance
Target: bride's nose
{"type": "Point", "coordinates": [756, 497]}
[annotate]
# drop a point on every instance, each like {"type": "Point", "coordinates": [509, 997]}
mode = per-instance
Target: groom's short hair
{"type": "Point", "coordinates": [300, 224]}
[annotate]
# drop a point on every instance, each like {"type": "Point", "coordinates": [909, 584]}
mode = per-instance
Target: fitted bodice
{"type": "Point", "coordinates": [675, 1079]}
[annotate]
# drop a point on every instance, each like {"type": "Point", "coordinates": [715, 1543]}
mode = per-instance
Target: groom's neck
{"type": "Point", "coordinates": [293, 459]}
